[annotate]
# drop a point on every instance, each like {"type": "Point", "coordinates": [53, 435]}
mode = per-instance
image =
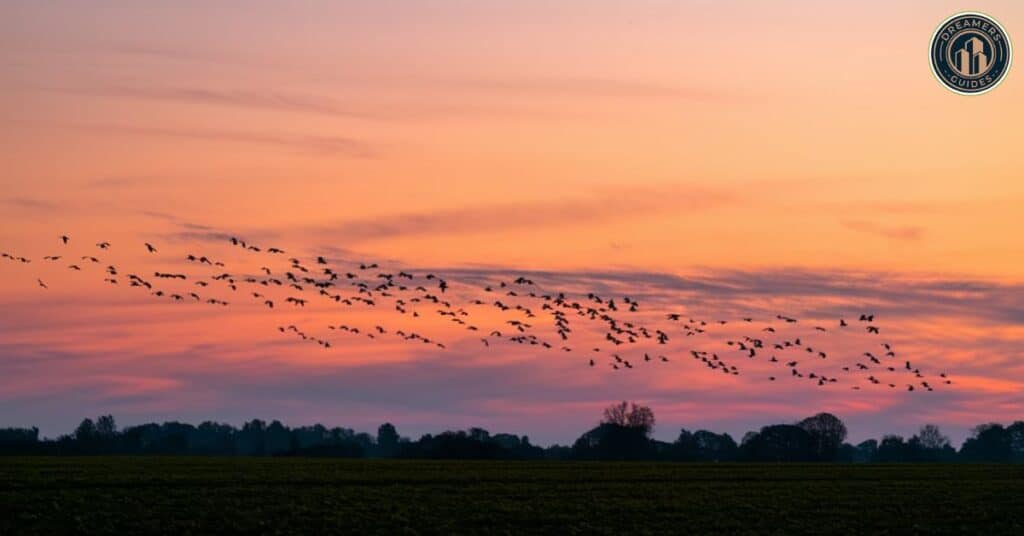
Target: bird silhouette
{"type": "Point", "coordinates": [626, 329]}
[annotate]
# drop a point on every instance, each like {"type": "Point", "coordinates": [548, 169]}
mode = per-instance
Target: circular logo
{"type": "Point", "coordinates": [970, 53]}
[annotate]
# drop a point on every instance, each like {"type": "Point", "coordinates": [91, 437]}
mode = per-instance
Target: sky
{"type": "Point", "coordinates": [717, 158]}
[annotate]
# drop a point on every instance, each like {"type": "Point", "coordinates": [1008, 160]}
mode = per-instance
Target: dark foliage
{"type": "Point", "coordinates": [475, 444]}
{"type": "Point", "coordinates": [624, 434]}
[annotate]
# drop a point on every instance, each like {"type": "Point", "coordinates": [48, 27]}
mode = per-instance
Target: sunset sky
{"type": "Point", "coordinates": [718, 158]}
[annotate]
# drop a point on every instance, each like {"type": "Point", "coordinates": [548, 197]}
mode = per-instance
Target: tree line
{"type": "Point", "coordinates": [624, 433]}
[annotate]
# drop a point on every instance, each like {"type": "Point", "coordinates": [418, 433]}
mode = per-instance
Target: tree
{"type": "Point", "coordinates": [616, 414]}
{"type": "Point", "coordinates": [1015, 433]}
{"type": "Point", "coordinates": [931, 438]}
{"type": "Point", "coordinates": [211, 438]}
{"type": "Point", "coordinates": [705, 446]}
{"type": "Point", "coordinates": [610, 441]}
{"type": "Point", "coordinates": [277, 438]}
{"type": "Point", "coordinates": [892, 449]}
{"type": "Point", "coordinates": [629, 415]}
{"type": "Point", "coordinates": [479, 434]}
{"type": "Point", "coordinates": [19, 440]}
{"type": "Point", "coordinates": [827, 433]}
{"type": "Point", "coordinates": [847, 453]}
{"type": "Point", "coordinates": [641, 417]}
{"type": "Point", "coordinates": [251, 440]}
{"type": "Point", "coordinates": [990, 443]}
{"type": "Point", "coordinates": [19, 435]}
{"type": "Point", "coordinates": [106, 427]}
{"type": "Point", "coordinates": [780, 443]}
{"type": "Point", "coordinates": [387, 438]}
{"type": "Point", "coordinates": [866, 451]}
{"type": "Point", "coordinates": [86, 430]}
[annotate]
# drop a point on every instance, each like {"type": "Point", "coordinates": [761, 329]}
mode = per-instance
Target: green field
{"type": "Point", "coordinates": [236, 495]}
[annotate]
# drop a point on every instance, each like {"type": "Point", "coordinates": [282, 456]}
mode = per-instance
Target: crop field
{"type": "Point", "coordinates": [246, 495]}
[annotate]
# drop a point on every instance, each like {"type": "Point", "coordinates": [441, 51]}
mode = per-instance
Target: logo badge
{"type": "Point", "coordinates": [970, 53]}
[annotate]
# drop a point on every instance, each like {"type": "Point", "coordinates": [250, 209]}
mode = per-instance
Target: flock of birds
{"type": "Point", "coordinates": [613, 331]}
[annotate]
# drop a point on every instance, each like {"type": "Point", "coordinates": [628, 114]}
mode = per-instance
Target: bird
{"type": "Point", "coordinates": [603, 311]}
{"type": "Point", "coordinates": [64, 238]}
{"type": "Point", "coordinates": [41, 284]}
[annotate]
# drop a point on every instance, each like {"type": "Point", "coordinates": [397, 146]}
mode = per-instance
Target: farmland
{"type": "Point", "coordinates": [111, 495]}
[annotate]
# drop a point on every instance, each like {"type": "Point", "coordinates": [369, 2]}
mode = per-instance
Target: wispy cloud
{"type": "Point", "coordinates": [904, 232]}
{"type": "Point", "coordinates": [178, 52]}
{"type": "Point", "coordinates": [257, 99]}
{"type": "Point", "coordinates": [115, 182]}
{"type": "Point", "coordinates": [805, 292]}
{"type": "Point", "coordinates": [588, 87]}
{"type": "Point", "coordinates": [312, 144]}
{"type": "Point", "coordinates": [30, 203]}
{"type": "Point", "coordinates": [609, 206]}
{"type": "Point", "coordinates": [191, 232]}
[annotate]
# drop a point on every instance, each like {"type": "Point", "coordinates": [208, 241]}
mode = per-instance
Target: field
{"type": "Point", "coordinates": [246, 495]}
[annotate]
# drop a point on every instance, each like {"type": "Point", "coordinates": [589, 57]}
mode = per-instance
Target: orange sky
{"type": "Point", "coordinates": [798, 140]}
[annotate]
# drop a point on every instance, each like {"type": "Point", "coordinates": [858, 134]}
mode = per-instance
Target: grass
{"type": "Point", "coordinates": [245, 495]}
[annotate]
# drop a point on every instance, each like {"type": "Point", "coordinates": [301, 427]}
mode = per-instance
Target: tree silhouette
{"type": "Point", "coordinates": [387, 439]}
{"type": "Point", "coordinates": [827, 433]}
{"type": "Point", "coordinates": [277, 439]}
{"type": "Point", "coordinates": [630, 415]}
{"type": "Point", "coordinates": [931, 438]}
{"type": "Point", "coordinates": [892, 449]}
{"type": "Point", "coordinates": [86, 430]}
{"type": "Point", "coordinates": [929, 445]}
{"type": "Point", "coordinates": [106, 427]}
{"type": "Point", "coordinates": [1015, 437]}
{"type": "Point", "coordinates": [990, 443]}
{"type": "Point", "coordinates": [866, 451]}
{"type": "Point", "coordinates": [704, 446]}
{"type": "Point", "coordinates": [623, 434]}
{"type": "Point", "coordinates": [780, 443]}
